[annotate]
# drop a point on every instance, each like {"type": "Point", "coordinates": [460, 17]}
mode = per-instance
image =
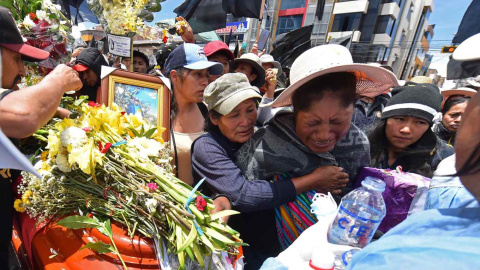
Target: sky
{"type": "Point", "coordinates": [446, 16]}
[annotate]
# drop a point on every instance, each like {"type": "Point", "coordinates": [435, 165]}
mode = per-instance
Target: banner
{"type": "Point", "coordinates": [235, 27]}
{"type": "Point", "coordinates": [119, 45]}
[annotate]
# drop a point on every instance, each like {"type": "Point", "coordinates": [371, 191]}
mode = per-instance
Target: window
{"type": "Point", "coordinates": [288, 4]}
{"type": "Point", "coordinates": [346, 22]}
{"type": "Point", "coordinates": [384, 25]}
{"type": "Point", "coordinates": [288, 23]}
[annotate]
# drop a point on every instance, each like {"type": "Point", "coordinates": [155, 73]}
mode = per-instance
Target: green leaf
{"type": "Point", "coordinates": [149, 133]}
{"type": "Point", "coordinates": [214, 234]}
{"type": "Point", "coordinates": [79, 222]}
{"type": "Point", "coordinates": [190, 253]}
{"type": "Point", "coordinates": [78, 102]}
{"type": "Point", "coordinates": [223, 213]}
{"type": "Point", "coordinates": [223, 228]}
{"type": "Point", "coordinates": [108, 227]}
{"type": "Point", "coordinates": [99, 247]}
{"type": "Point", "coordinates": [134, 131]}
{"type": "Point", "coordinates": [191, 237]}
{"type": "Point", "coordinates": [198, 254]}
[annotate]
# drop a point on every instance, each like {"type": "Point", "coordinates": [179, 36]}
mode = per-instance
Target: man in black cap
{"type": "Point", "coordinates": [89, 65]}
{"type": "Point", "coordinates": [22, 112]}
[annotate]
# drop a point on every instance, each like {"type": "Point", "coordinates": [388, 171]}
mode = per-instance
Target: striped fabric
{"type": "Point", "coordinates": [294, 217]}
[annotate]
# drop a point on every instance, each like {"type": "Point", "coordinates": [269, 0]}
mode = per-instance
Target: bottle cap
{"type": "Point", "coordinates": [322, 259]}
{"type": "Point", "coordinates": [374, 184]}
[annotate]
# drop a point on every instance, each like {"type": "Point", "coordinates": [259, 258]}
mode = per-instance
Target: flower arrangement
{"type": "Point", "coordinates": [108, 164]}
{"type": "Point", "coordinates": [123, 17]}
{"type": "Point", "coordinates": [48, 29]}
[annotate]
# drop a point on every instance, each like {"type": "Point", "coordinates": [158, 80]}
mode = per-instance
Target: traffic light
{"type": "Point", "coordinates": [448, 49]}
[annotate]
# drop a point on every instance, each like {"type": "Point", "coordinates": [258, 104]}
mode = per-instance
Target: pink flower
{"type": "Point", "coordinates": [201, 203]}
{"type": "Point", "coordinates": [152, 186]}
{"type": "Point", "coordinates": [93, 104]}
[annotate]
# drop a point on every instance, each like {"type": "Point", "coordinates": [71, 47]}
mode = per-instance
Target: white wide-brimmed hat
{"type": "Point", "coordinates": [267, 58]}
{"type": "Point", "coordinates": [462, 91]}
{"type": "Point", "coordinates": [468, 50]}
{"type": "Point", "coordinates": [332, 58]}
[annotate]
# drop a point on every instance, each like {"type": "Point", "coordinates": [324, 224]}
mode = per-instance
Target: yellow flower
{"type": "Point", "coordinates": [44, 155]}
{"type": "Point", "coordinates": [19, 206]}
{"type": "Point", "coordinates": [53, 143]}
{"type": "Point", "coordinates": [26, 196]}
{"type": "Point", "coordinates": [86, 157]}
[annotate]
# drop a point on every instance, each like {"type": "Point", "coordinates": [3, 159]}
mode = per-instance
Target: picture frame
{"type": "Point", "coordinates": [138, 93]}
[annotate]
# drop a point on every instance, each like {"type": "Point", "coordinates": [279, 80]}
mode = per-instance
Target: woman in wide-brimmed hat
{"type": "Point", "coordinates": [453, 106]}
{"type": "Point", "coordinates": [317, 134]}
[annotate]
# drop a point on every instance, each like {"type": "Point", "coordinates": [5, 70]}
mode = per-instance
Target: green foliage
{"type": "Point", "coordinates": [21, 8]}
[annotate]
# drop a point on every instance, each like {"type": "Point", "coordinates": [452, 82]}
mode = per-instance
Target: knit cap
{"type": "Point", "coordinates": [419, 100]}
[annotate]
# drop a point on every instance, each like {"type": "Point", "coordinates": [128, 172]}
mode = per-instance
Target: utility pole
{"type": "Point", "coordinates": [275, 22]}
{"type": "Point", "coordinates": [260, 20]}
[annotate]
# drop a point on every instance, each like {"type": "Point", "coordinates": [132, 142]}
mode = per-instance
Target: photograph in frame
{"type": "Point", "coordinates": [138, 94]}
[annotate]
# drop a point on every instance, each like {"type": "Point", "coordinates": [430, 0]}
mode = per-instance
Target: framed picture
{"type": "Point", "coordinates": [138, 94]}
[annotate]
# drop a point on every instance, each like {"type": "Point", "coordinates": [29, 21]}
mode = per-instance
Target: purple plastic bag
{"type": "Point", "coordinates": [403, 191]}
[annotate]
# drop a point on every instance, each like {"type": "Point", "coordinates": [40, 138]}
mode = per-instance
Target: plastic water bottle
{"type": "Point", "coordinates": [359, 215]}
{"type": "Point", "coordinates": [343, 259]}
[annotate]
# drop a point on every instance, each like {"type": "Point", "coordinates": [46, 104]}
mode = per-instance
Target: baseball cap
{"type": "Point", "coordinates": [11, 38]}
{"type": "Point", "coordinates": [191, 56]}
{"type": "Point", "coordinates": [225, 93]}
{"type": "Point", "coordinates": [216, 46]}
{"type": "Point", "coordinates": [80, 67]}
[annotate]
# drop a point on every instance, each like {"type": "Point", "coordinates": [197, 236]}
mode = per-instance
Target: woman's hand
{"type": "Point", "coordinates": [270, 83]}
{"type": "Point", "coordinates": [324, 179]}
{"type": "Point", "coordinates": [330, 179]}
{"type": "Point", "coordinates": [222, 203]}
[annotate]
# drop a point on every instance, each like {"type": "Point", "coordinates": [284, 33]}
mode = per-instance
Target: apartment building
{"type": "Point", "coordinates": [390, 32]}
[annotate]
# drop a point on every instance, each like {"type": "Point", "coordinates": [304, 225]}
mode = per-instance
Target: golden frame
{"type": "Point", "coordinates": [106, 95]}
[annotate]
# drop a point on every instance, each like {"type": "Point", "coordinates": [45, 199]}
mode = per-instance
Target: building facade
{"type": "Point", "coordinates": [390, 32]}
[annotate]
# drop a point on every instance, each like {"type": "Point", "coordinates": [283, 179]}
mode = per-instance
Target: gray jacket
{"type": "Point", "coordinates": [276, 149]}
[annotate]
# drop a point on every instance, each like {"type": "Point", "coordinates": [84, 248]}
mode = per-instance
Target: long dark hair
{"type": "Point", "coordinates": [452, 101]}
{"type": "Point", "coordinates": [417, 158]}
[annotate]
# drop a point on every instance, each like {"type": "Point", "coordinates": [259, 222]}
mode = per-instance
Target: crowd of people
{"type": "Point", "coordinates": [260, 141]}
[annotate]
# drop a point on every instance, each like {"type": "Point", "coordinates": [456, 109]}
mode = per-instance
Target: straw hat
{"type": "Point", "coordinates": [462, 91]}
{"type": "Point", "coordinates": [468, 50]}
{"type": "Point", "coordinates": [333, 58]}
{"type": "Point", "coordinates": [421, 79]}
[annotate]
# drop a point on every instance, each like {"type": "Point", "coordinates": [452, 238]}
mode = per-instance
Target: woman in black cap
{"type": "Point", "coordinates": [404, 136]}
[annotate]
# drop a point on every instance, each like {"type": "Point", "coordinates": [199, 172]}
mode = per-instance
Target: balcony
{"type": "Point", "coordinates": [391, 9]}
{"type": "Point", "coordinates": [382, 39]}
{"type": "Point", "coordinates": [351, 7]}
{"type": "Point", "coordinates": [356, 35]}
{"type": "Point", "coordinates": [428, 5]}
